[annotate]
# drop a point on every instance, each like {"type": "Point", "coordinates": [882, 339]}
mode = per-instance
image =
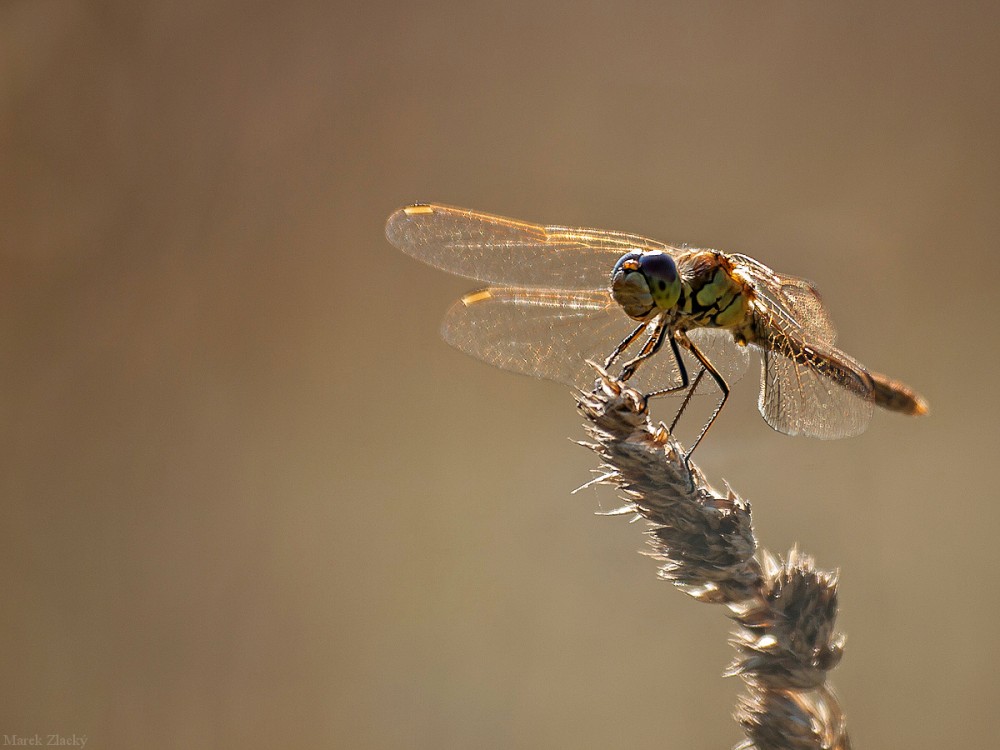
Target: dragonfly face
{"type": "Point", "coordinates": [645, 283]}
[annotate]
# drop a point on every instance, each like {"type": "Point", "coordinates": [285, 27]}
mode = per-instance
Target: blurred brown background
{"type": "Point", "coordinates": [250, 499]}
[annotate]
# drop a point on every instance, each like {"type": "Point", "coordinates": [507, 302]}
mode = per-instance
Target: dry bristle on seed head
{"type": "Point", "coordinates": [705, 542]}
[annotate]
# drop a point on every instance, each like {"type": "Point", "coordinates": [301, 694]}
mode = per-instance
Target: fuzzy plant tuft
{"type": "Point", "coordinates": [784, 610]}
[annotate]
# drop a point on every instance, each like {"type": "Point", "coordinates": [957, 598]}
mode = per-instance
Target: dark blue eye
{"type": "Point", "coordinates": [658, 267]}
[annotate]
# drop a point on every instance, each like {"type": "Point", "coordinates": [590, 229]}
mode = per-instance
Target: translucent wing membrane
{"type": "Point", "coordinates": [811, 389]}
{"type": "Point", "coordinates": [544, 333]}
{"type": "Point", "coordinates": [796, 302]}
{"type": "Point", "coordinates": [504, 251]}
{"type": "Point", "coordinates": [549, 333]}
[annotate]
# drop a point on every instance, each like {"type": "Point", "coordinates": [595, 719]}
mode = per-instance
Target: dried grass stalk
{"type": "Point", "coordinates": [784, 610]}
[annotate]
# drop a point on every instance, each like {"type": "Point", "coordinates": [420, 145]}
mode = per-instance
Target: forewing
{"type": "Point", "coordinates": [505, 251]}
{"type": "Point", "coordinates": [796, 302]}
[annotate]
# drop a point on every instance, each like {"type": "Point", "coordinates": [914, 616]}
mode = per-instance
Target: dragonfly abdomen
{"type": "Point", "coordinates": [844, 371]}
{"type": "Point", "coordinates": [895, 396]}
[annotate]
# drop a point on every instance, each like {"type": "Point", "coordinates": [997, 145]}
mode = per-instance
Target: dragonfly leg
{"type": "Point", "coordinates": [687, 399]}
{"type": "Point", "coordinates": [625, 343]}
{"type": "Point", "coordinates": [680, 368]}
{"type": "Point", "coordinates": [685, 382]}
{"type": "Point", "coordinates": [723, 386]}
{"type": "Point", "coordinates": [651, 347]}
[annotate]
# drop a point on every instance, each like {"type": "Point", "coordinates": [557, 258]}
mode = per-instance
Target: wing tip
{"type": "Point", "coordinates": [398, 219]}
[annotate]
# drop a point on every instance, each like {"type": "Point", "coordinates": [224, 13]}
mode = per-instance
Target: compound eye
{"type": "Point", "coordinates": [659, 269]}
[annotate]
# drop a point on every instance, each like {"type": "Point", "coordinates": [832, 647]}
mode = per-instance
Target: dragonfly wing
{"type": "Point", "coordinates": [797, 398]}
{"type": "Point", "coordinates": [546, 333]}
{"type": "Point", "coordinates": [795, 301]}
{"type": "Point", "coordinates": [505, 251]}
{"type": "Point", "coordinates": [804, 302]}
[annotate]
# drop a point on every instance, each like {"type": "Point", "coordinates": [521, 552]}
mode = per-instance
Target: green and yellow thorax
{"type": "Point", "coordinates": [712, 293]}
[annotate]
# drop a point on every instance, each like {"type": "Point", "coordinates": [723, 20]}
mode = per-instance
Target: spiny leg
{"type": "Point", "coordinates": [723, 386]}
{"type": "Point", "coordinates": [680, 368]}
{"type": "Point", "coordinates": [651, 347]}
{"type": "Point", "coordinates": [687, 399]}
{"type": "Point", "coordinates": [625, 343]}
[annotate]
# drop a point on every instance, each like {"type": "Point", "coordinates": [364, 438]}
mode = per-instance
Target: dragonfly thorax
{"type": "Point", "coordinates": [713, 294]}
{"type": "Point", "coordinates": [645, 283]}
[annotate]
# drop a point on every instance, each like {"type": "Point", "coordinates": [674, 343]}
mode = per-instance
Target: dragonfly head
{"type": "Point", "coordinates": [644, 283]}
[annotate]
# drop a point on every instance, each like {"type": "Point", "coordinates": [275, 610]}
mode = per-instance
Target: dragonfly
{"type": "Point", "coordinates": [560, 296]}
